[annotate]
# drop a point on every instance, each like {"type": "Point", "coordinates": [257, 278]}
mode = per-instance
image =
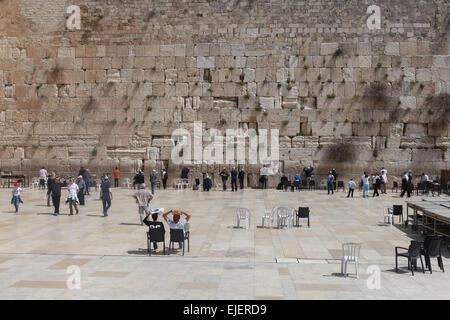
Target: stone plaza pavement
{"type": "Point", "coordinates": [223, 263]}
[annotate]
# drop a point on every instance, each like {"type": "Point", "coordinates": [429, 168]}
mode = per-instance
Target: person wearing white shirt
{"type": "Point", "coordinates": [177, 223]}
{"type": "Point", "coordinates": [16, 199]}
{"type": "Point", "coordinates": [351, 187]}
{"type": "Point", "coordinates": [42, 177]}
{"type": "Point", "coordinates": [405, 186]}
{"type": "Point", "coordinates": [384, 180]}
{"type": "Point", "coordinates": [365, 180]}
{"type": "Point", "coordinates": [73, 196]}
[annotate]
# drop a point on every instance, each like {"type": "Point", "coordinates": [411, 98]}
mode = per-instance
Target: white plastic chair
{"type": "Point", "coordinates": [323, 184]}
{"type": "Point", "coordinates": [185, 183]}
{"type": "Point", "coordinates": [350, 253]}
{"type": "Point", "coordinates": [218, 186]}
{"type": "Point", "coordinates": [269, 215]}
{"type": "Point", "coordinates": [127, 183]}
{"type": "Point", "coordinates": [34, 183]}
{"type": "Point", "coordinates": [243, 214]}
{"type": "Point", "coordinates": [179, 184]}
{"type": "Point", "coordinates": [388, 215]}
{"type": "Point", "coordinates": [285, 216]}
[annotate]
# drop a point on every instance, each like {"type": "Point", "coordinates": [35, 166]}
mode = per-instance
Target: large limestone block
{"type": "Point", "coordinates": [327, 49]}
{"type": "Point", "coordinates": [415, 130]}
{"type": "Point", "coordinates": [392, 49]}
{"type": "Point", "coordinates": [322, 128]}
{"type": "Point", "coordinates": [206, 62]}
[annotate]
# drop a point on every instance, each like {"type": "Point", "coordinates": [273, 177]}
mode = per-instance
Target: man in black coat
{"type": "Point", "coordinates": [405, 185]}
{"type": "Point", "coordinates": [155, 224]}
{"type": "Point", "coordinates": [241, 176]}
{"type": "Point", "coordinates": [56, 194]}
{"type": "Point", "coordinates": [185, 173]}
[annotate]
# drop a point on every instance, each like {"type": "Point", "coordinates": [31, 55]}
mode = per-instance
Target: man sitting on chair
{"type": "Point", "coordinates": [176, 223]}
{"type": "Point", "coordinates": [154, 225]}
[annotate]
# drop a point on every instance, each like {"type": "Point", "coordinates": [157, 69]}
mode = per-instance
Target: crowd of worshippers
{"type": "Point", "coordinates": [78, 187]}
{"type": "Point", "coordinates": [377, 181]}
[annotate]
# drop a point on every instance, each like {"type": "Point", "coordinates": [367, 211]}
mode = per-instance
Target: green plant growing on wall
{"type": "Point", "coordinates": [247, 96]}
{"type": "Point", "coordinates": [443, 148]}
{"type": "Point", "coordinates": [306, 67]}
{"type": "Point", "coordinates": [331, 96]}
{"type": "Point", "coordinates": [258, 107]}
{"type": "Point", "coordinates": [375, 153]}
{"type": "Point", "coordinates": [265, 113]}
{"type": "Point", "coordinates": [285, 122]}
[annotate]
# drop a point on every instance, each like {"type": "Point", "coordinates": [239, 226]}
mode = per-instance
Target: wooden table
{"type": "Point", "coordinates": [434, 214]}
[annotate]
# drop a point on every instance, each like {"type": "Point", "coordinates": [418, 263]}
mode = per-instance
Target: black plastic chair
{"type": "Point", "coordinates": [303, 212]}
{"type": "Point", "coordinates": [155, 235]}
{"type": "Point", "coordinates": [412, 253]}
{"type": "Point", "coordinates": [340, 184]}
{"type": "Point", "coordinates": [397, 210]}
{"type": "Point", "coordinates": [296, 185]}
{"type": "Point", "coordinates": [395, 186]}
{"type": "Point", "coordinates": [187, 234]}
{"type": "Point", "coordinates": [286, 185]}
{"type": "Point", "coordinates": [432, 249]}
{"type": "Point", "coordinates": [312, 185]}
{"type": "Point", "coordinates": [176, 235]}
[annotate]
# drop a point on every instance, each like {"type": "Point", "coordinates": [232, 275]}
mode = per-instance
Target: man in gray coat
{"type": "Point", "coordinates": [153, 178]}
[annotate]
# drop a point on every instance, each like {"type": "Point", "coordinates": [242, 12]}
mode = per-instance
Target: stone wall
{"type": "Point", "coordinates": [112, 93]}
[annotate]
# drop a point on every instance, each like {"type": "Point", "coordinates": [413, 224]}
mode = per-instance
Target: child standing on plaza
{"type": "Point", "coordinates": [16, 200]}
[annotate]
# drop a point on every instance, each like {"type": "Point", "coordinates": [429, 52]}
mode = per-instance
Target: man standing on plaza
{"type": "Point", "coordinates": [330, 185]}
{"type": "Point", "coordinates": [56, 194]}
{"type": "Point", "coordinates": [384, 180]}
{"type": "Point", "coordinates": [143, 198]}
{"type": "Point", "coordinates": [234, 176]}
{"type": "Point", "coordinates": [73, 196]}
{"type": "Point", "coordinates": [351, 188]}
{"type": "Point", "coordinates": [106, 195]}
{"type": "Point", "coordinates": [405, 185]}
{"type": "Point", "coordinates": [42, 178]}
{"type": "Point", "coordinates": [153, 178]}
{"type": "Point", "coordinates": [164, 177]}
{"type": "Point", "coordinates": [224, 174]}
{"type": "Point", "coordinates": [50, 181]}
{"type": "Point", "coordinates": [87, 177]}
{"type": "Point", "coordinates": [116, 177]}
{"type": "Point", "coordinates": [365, 182]}
{"type": "Point", "coordinates": [81, 186]}
{"type": "Point", "coordinates": [241, 177]}
{"type": "Point", "coordinates": [263, 177]}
